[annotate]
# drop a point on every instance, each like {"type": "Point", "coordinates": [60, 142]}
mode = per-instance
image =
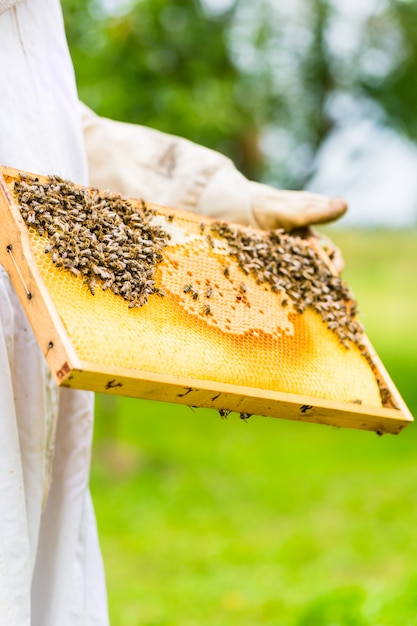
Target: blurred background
{"type": "Point", "coordinates": [220, 522]}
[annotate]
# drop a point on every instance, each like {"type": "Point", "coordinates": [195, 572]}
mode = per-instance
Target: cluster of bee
{"type": "Point", "coordinates": [224, 414]}
{"type": "Point", "coordinates": [102, 237]}
{"type": "Point", "coordinates": [195, 294]}
{"type": "Point", "coordinates": [291, 266]}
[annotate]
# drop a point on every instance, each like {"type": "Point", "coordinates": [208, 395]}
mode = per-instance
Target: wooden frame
{"type": "Point", "coordinates": [69, 371]}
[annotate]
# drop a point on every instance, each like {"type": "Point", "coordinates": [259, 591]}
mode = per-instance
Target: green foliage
{"type": "Point", "coordinates": [341, 607]}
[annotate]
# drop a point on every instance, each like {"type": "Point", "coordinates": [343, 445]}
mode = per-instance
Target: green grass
{"type": "Point", "coordinates": [210, 522]}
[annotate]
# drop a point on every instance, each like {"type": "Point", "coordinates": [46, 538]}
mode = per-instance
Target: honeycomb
{"type": "Point", "coordinates": [208, 320]}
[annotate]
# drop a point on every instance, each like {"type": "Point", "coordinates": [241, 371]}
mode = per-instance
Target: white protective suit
{"type": "Point", "coordinates": [51, 571]}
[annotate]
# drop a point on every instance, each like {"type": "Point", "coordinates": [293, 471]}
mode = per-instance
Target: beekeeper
{"type": "Point", "coordinates": [51, 571]}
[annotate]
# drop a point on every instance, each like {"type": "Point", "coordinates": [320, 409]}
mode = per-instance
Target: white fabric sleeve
{"type": "Point", "coordinates": [142, 162]}
{"type": "Point", "coordinates": [161, 168]}
{"type": "Point", "coordinates": [7, 4]}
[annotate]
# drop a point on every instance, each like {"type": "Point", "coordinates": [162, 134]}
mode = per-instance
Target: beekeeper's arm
{"type": "Point", "coordinates": [7, 4]}
{"type": "Point", "coordinates": [142, 162]}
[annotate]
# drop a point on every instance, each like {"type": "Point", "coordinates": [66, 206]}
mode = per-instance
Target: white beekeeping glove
{"type": "Point", "coordinates": [278, 208]}
{"type": "Point", "coordinates": [142, 162]}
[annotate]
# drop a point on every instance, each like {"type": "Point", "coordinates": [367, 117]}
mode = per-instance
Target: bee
{"type": "Point", "coordinates": [107, 284]}
{"type": "Point", "coordinates": [224, 413]}
{"type": "Point", "coordinates": [25, 197]}
{"type": "Point", "coordinates": [126, 288]}
{"type": "Point", "coordinates": [195, 294]}
{"type": "Point", "coordinates": [101, 272]}
{"type": "Point", "coordinates": [170, 217]}
{"type": "Point", "coordinates": [206, 309]}
{"type": "Point", "coordinates": [187, 288]}
{"type": "Point", "coordinates": [226, 272]}
{"type": "Point", "coordinates": [209, 292]}
{"type": "Point", "coordinates": [242, 287]}
{"type": "Point", "coordinates": [31, 217]}
{"type": "Point", "coordinates": [92, 286]}
{"type": "Point", "coordinates": [245, 416]}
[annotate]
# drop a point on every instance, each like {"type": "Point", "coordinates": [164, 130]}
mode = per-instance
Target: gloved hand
{"type": "Point", "coordinates": [276, 208]}
{"type": "Point", "coordinates": [142, 162]}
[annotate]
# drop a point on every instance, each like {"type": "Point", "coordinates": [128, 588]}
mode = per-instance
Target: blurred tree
{"type": "Point", "coordinates": [283, 50]}
{"type": "Point", "coordinates": [263, 82]}
{"type": "Point", "coordinates": [389, 64]}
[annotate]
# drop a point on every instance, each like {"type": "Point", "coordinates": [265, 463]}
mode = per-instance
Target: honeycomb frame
{"type": "Point", "coordinates": [62, 351]}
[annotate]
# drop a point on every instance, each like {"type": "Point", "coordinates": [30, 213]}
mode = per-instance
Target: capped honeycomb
{"type": "Point", "coordinates": [164, 291]}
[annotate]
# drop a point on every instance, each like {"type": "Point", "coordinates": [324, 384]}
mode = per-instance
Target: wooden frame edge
{"type": "Point", "coordinates": [28, 283]}
{"type": "Point", "coordinates": [244, 400]}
